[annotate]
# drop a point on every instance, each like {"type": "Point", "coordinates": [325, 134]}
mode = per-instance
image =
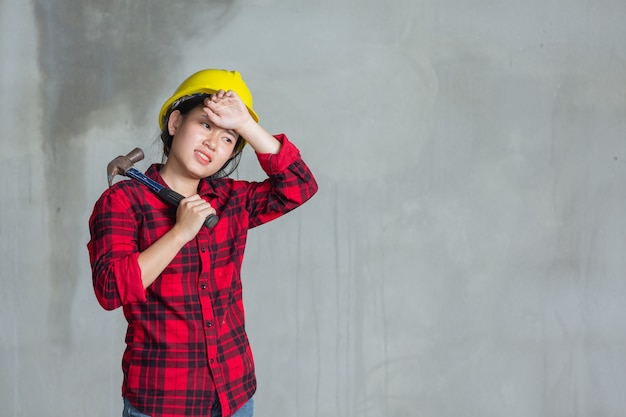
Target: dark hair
{"type": "Point", "coordinates": [185, 107]}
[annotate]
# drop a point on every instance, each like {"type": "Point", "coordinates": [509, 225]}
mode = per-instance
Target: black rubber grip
{"type": "Point", "coordinates": [174, 199]}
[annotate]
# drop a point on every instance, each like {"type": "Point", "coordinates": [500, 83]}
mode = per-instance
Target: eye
{"type": "Point", "coordinates": [206, 125]}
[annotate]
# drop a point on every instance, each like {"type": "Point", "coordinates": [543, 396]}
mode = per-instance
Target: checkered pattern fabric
{"type": "Point", "coordinates": [186, 341]}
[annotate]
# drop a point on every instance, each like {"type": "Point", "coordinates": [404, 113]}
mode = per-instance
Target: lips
{"type": "Point", "coordinates": [203, 157]}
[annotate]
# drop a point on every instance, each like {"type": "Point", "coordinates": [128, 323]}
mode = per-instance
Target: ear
{"type": "Point", "coordinates": [174, 121]}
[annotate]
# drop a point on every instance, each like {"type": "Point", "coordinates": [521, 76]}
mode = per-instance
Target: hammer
{"type": "Point", "coordinates": [123, 165]}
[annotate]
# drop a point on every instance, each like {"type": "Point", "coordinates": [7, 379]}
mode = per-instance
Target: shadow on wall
{"type": "Point", "coordinates": [93, 57]}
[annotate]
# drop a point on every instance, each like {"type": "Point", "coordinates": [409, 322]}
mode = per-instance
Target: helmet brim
{"type": "Point", "coordinates": [191, 92]}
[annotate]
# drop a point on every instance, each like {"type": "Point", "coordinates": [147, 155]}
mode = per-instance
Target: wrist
{"type": "Point", "coordinates": [260, 140]}
{"type": "Point", "coordinates": [247, 127]}
{"type": "Point", "coordinates": [177, 236]}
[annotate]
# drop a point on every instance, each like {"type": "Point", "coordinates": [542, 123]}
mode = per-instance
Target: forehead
{"type": "Point", "coordinates": [201, 113]}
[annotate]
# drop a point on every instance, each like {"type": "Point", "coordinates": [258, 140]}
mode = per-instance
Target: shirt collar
{"type": "Point", "coordinates": [205, 188]}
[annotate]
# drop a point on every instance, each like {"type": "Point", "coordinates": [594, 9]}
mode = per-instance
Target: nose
{"type": "Point", "coordinates": [211, 142]}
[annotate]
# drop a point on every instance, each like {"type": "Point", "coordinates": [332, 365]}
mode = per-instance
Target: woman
{"type": "Point", "coordinates": [179, 282]}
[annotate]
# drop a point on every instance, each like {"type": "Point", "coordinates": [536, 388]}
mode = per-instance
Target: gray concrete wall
{"type": "Point", "coordinates": [465, 253]}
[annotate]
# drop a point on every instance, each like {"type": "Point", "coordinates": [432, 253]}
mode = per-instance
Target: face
{"type": "Point", "coordinates": [199, 148]}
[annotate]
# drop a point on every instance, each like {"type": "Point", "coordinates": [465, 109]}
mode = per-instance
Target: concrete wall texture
{"type": "Point", "coordinates": [465, 253]}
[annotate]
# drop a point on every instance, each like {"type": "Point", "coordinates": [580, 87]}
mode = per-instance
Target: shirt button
{"type": "Point", "coordinates": [203, 286]}
{"type": "Point", "coordinates": [212, 361]}
{"type": "Point", "coordinates": [209, 324]}
{"type": "Point", "coordinates": [203, 249]}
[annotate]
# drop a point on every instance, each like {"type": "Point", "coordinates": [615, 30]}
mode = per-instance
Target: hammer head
{"type": "Point", "coordinates": [120, 164]}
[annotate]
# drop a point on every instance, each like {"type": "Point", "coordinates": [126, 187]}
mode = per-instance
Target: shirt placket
{"type": "Point", "coordinates": [209, 319]}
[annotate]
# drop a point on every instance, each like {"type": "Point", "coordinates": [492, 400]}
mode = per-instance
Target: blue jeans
{"type": "Point", "coordinates": [246, 410]}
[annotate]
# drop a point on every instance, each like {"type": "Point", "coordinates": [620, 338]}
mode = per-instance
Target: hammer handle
{"type": "Point", "coordinates": [165, 193]}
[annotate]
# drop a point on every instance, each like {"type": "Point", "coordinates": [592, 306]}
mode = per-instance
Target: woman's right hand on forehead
{"type": "Point", "coordinates": [226, 110]}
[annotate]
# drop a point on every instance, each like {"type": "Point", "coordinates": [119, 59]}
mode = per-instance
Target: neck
{"type": "Point", "coordinates": [182, 185]}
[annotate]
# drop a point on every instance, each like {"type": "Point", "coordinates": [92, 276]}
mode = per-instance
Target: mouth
{"type": "Point", "coordinates": [203, 157]}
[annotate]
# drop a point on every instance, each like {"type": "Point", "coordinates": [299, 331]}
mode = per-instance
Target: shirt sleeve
{"type": "Point", "coordinates": [114, 253]}
{"type": "Point", "coordinates": [290, 184]}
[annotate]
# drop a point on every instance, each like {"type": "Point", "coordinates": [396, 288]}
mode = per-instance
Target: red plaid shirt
{"type": "Point", "coordinates": [186, 339]}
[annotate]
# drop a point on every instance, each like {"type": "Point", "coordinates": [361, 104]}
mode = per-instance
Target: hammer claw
{"type": "Point", "coordinates": [119, 165]}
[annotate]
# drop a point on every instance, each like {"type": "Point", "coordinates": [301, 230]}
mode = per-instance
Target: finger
{"type": "Point", "coordinates": [211, 99]}
{"type": "Point", "coordinates": [191, 198]}
{"type": "Point", "coordinates": [210, 111]}
{"type": "Point", "coordinates": [199, 205]}
{"type": "Point", "coordinates": [194, 201]}
{"type": "Point", "coordinates": [202, 211]}
{"type": "Point", "coordinates": [206, 211]}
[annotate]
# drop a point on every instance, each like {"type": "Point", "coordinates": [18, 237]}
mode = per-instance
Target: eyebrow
{"type": "Point", "coordinates": [232, 132]}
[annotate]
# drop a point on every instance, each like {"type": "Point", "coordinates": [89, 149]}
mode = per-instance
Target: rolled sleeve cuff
{"type": "Point", "coordinates": [279, 162]}
{"type": "Point", "coordinates": [128, 278]}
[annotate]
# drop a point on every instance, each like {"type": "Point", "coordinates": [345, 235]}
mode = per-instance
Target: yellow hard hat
{"type": "Point", "coordinates": [209, 81]}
